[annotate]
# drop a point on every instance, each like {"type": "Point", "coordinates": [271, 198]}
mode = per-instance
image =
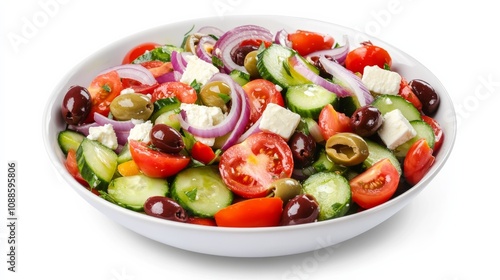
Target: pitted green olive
{"type": "Point", "coordinates": [215, 94]}
{"type": "Point", "coordinates": [131, 106]}
{"type": "Point", "coordinates": [285, 188]}
{"type": "Point", "coordinates": [347, 149]}
{"type": "Point", "coordinates": [250, 64]}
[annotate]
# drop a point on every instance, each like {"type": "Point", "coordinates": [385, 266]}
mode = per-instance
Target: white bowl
{"type": "Point", "coordinates": [243, 242]}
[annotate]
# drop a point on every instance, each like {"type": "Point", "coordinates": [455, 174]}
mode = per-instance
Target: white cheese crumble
{"type": "Point", "coordinates": [127, 90]}
{"type": "Point", "coordinates": [141, 131]}
{"type": "Point", "coordinates": [200, 116]}
{"type": "Point", "coordinates": [381, 81]}
{"type": "Point", "coordinates": [279, 120]}
{"type": "Point", "coordinates": [199, 70]}
{"type": "Point", "coordinates": [395, 129]}
{"type": "Point", "coordinates": [104, 135]}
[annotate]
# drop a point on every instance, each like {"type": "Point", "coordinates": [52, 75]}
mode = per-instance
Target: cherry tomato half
{"type": "Point", "coordinates": [154, 163]}
{"type": "Point", "coordinates": [407, 93]}
{"type": "Point", "coordinates": [249, 168]}
{"type": "Point", "coordinates": [254, 212]}
{"type": "Point", "coordinates": [261, 92]}
{"type": "Point", "coordinates": [103, 89]}
{"type": "Point", "coordinates": [137, 51]}
{"type": "Point", "coordinates": [330, 122]}
{"type": "Point", "coordinates": [306, 42]}
{"type": "Point", "coordinates": [375, 185]}
{"type": "Point", "coordinates": [367, 55]}
{"type": "Point", "coordinates": [418, 161]}
{"type": "Point", "coordinates": [438, 132]}
{"type": "Point", "coordinates": [184, 92]}
{"type": "Point", "coordinates": [202, 153]}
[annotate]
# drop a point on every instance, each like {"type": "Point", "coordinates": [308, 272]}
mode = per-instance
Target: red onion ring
{"type": "Point", "coordinates": [232, 39]}
{"type": "Point", "coordinates": [135, 72]}
{"type": "Point", "coordinates": [201, 50]}
{"type": "Point", "coordinates": [337, 54]}
{"type": "Point", "coordinates": [117, 125]}
{"type": "Point", "coordinates": [173, 76]}
{"type": "Point", "coordinates": [281, 38]}
{"type": "Point", "coordinates": [240, 126]}
{"type": "Point", "coordinates": [349, 79]}
{"type": "Point", "coordinates": [179, 62]}
{"type": "Point", "coordinates": [211, 30]}
{"type": "Point", "coordinates": [251, 130]}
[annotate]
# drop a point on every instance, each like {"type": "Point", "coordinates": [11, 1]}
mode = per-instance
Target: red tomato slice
{"type": "Point", "coordinates": [367, 55]}
{"type": "Point", "coordinates": [185, 93]}
{"type": "Point", "coordinates": [407, 93]}
{"type": "Point", "coordinates": [103, 89]}
{"type": "Point", "coordinates": [158, 68]}
{"type": "Point", "coordinates": [375, 185]}
{"type": "Point", "coordinates": [255, 42]}
{"type": "Point", "coordinates": [202, 152]}
{"type": "Point", "coordinates": [201, 221]}
{"type": "Point", "coordinates": [438, 133]}
{"type": "Point", "coordinates": [155, 163]}
{"type": "Point", "coordinates": [306, 42]}
{"type": "Point", "coordinates": [72, 167]}
{"type": "Point", "coordinates": [138, 87]}
{"type": "Point", "coordinates": [330, 122]}
{"type": "Point", "coordinates": [255, 212]}
{"type": "Point", "coordinates": [248, 168]}
{"type": "Point", "coordinates": [261, 92]}
{"type": "Point", "coordinates": [418, 161]}
{"type": "Point", "coordinates": [138, 50]}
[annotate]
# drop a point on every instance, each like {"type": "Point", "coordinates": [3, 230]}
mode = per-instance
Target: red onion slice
{"type": "Point", "coordinates": [135, 72]}
{"type": "Point", "coordinates": [281, 38]}
{"type": "Point", "coordinates": [179, 62]}
{"type": "Point", "coordinates": [211, 30]}
{"type": "Point", "coordinates": [202, 48]}
{"type": "Point", "coordinates": [232, 39]}
{"type": "Point", "coordinates": [301, 68]}
{"type": "Point", "coordinates": [337, 54]}
{"type": "Point", "coordinates": [229, 123]}
{"type": "Point", "coordinates": [251, 130]}
{"type": "Point", "coordinates": [117, 125]}
{"type": "Point", "coordinates": [83, 129]}
{"type": "Point", "coordinates": [173, 76]}
{"type": "Point", "coordinates": [240, 126]}
{"type": "Point", "coordinates": [348, 79]}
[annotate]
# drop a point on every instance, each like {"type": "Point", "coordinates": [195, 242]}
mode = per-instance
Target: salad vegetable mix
{"type": "Point", "coordinates": [249, 128]}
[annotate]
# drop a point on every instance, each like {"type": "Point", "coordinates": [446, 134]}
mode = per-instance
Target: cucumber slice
{"type": "Point", "coordinates": [69, 139]}
{"type": "Point", "coordinates": [97, 163]}
{"type": "Point", "coordinates": [386, 103]}
{"type": "Point", "coordinates": [272, 64]}
{"type": "Point", "coordinates": [332, 192]}
{"type": "Point", "coordinates": [324, 164]}
{"type": "Point", "coordinates": [131, 192]}
{"type": "Point", "coordinates": [423, 130]}
{"type": "Point", "coordinates": [124, 154]}
{"type": "Point", "coordinates": [164, 105]}
{"type": "Point", "coordinates": [308, 100]}
{"type": "Point", "coordinates": [347, 105]}
{"type": "Point", "coordinates": [201, 191]}
{"type": "Point", "coordinates": [240, 77]}
{"type": "Point", "coordinates": [378, 152]}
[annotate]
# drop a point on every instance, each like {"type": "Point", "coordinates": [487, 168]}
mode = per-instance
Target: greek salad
{"type": "Point", "coordinates": [250, 128]}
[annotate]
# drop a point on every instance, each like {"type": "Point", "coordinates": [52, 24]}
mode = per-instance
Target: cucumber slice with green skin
{"type": "Point", "coordinates": [386, 103]}
{"type": "Point", "coordinates": [308, 100]}
{"type": "Point", "coordinates": [272, 64]}
{"type": "Point", "coordinates": [347, 105]}
{"type": "Point", "coordinates": [164, 105]}
{"type": "Point", "coordinates": [201, 191]}
{"type": "Point", "coordinates": [324, 164]}
{"type": "Point", "coordinates": [424, 130]}
{"type": "Point", "coordinates": [240, 77]}
{"type": "Point", "coordinates": [131, 192]}
{"type": "Point", "coordinates": [378, 152]}
{"type": "Point", "coordinates": [332, 192]}
{"type": "Point", "coordinates": [97, 163]}
{"type": "Point", "coordinates": [124, 154]}
{"type": "Point", "coordinates": [69, 139]}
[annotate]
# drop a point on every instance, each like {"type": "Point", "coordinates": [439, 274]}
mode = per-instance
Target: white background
{"type": "Point", "coordinates": [450, 232]}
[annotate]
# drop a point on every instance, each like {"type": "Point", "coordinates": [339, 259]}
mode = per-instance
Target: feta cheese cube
{"type": "Point", "coordinates": [199, 70]}
{"type": "Point", "coordinates": [395, 129]}
{"type": "Point", "coordinates": [105, 135]}
{"type": "Point", "coordinates": [381, 81]}
{"type": "Point", "coordinates": [279, 120]}
{"type": "Point", "coordinates": [200, 116]}
{"type": "Point", "coordinates": [141, 131]}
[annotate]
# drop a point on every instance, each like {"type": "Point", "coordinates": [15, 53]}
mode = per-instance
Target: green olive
{"type": "Point", "coordinates": [191, 42]}
{"type": "Point", "coordinates": [131, 106]}
{"type": "Point", "coordinates": [215, 94]}
{"type": "Point", "coordinates": [250, 64]}
{"type": "Point", "coordinates": [346, 148]}
{"type": "Point", "coordinates": [285, 188]}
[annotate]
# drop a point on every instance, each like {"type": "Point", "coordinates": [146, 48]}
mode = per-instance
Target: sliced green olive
{"type": "Point", "coordinates": [285, 188]}
{"type": "Point", "coordinates": [215, 94]}
{"type": "Point", "coordinates": [131, 106]}
{"type": "Point", "coordinates": [347, 149]}
{"type": "Point", "coordinates": [191, 42]}
{"type": "Point", "coordinates": [250, 64]}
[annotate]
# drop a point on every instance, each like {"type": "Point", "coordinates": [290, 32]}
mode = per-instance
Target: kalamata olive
{"type": "Point", "coordinates": [165, 208]}
{"type": "Point", "coordinates": [250, 64]}
{"type": "Point", "coordinates": [426, 94]}
{"type": "Point", "coordinates": [346, 148]}
{"type": "Point", "coordinates": [366, 120]}
{"type": "Point", "coordinates": [285, 188]}
{"type": "Point", "coordinates": [76, 105]}
{"type": "Point", "coordinates": [303, 149]}
{"type": "Point", "coordinates": [215, 94]}
{"type": "Point", "coordinates": [239, 54]}
{"type": "Point", "coordinates": [166, 139]}
{"type": "Point", "coordinates": [131, 106]}
{"type": "Point", "coordinates": [301, 209]}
